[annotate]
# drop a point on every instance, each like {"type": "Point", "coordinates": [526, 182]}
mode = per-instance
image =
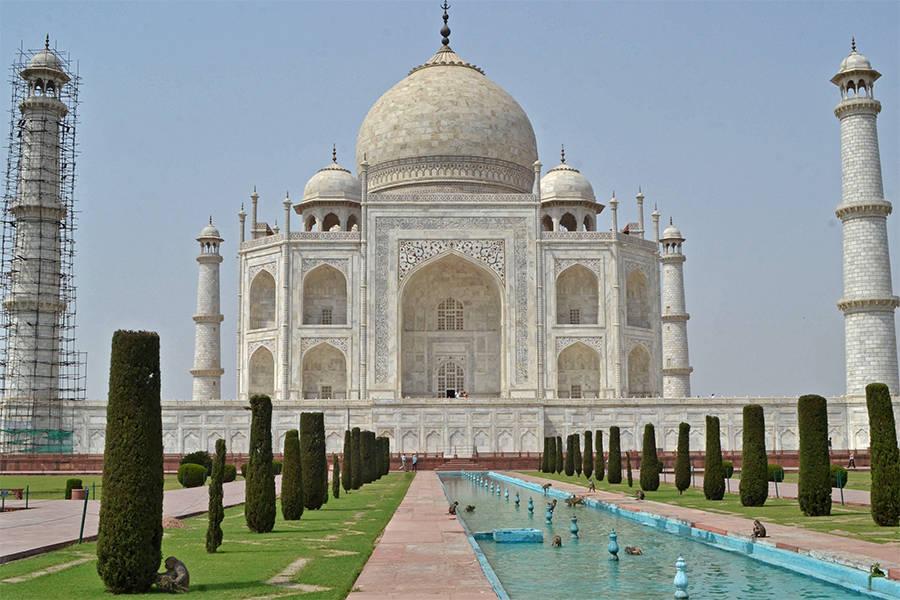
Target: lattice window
{"type": "Point", "coordinates": [576, 391]}
{"type": "Point", "coordinates": [326, 393]}
{"type": "Point", "coordinates": [327, 316]}
{"type": "Point", "coordinates": [450, 315]}
{"type": "Point", "coordinates": [575, 316]}
{"type": "Point", "coordinates": [450, 377]}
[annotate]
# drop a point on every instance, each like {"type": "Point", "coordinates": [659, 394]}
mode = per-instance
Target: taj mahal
{"type": "Point", "coordinates": [454, 294]}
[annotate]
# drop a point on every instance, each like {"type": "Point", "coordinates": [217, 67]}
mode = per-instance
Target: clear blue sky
{"type": "Point", "coordinates": [721, 111]}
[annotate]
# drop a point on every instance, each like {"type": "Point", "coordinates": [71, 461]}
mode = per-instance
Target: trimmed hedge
{"type": "Point", "coordinates": [714, 472]}
{"type": "Point", "coordinates": [754, 485]}
{"type": "Point", "coordinates": [728, 468]}
{"type": "Point", "coordinates": [244, 470]}
{"type": "Point", "coordinates": [336, 476]}
{"type": "Point", "coordinates": [313, 461]}
{"type": "Point", "coordinates": [885, 457]}
{"type": "Point", "coordinates": [814, 488]}
{"type": "Point", "coordinates": [356, 453]}
{"type": "Point", "coordinates": [545, 466]}
{"type": "Point", "coordinates": [200, 457]}
{"type": "Point", "coordinates": [130, 528]}
{"type": "Point", "coordinates": [347, 480]}
{"type": "Point", "coordinates": [216, 494]}
{"type": "Point", "coordinates": [628, 469]}
{"type": "Point", "coordinates": [259, 505]}
{"type": "Point", "coordinates": [835, 469]}
{"type": "Point", "coordinates": [73, 484]}
{"type": "Point", "coordinates": [191, 475]}
{"type": "Point", "coordinates": [230, 473]}
{"type": "Point", "coordinates": [368, 449]}
{"type": "Point", "coordinates": [600, 466]}
{"type": "Point", "coordinates": [615, 456]}
{"type": "Point", "coordinates": [683, 459]}
{"type": "Point", "coordinates": [560, 455]}
{"type": "Point", "coordinates": [292, 478]}
{"type": "Point", "coordinates": [588, 466]}
{"type": "Point", "coordinates": [578, 460]}
{"type": "Point", "coordinates": [774, 470]}
{"type": "Point", "coordinates": [277, 466]}
{"type": "Point", "coordinates": [570, 455]}
{"type": "Point", "coordinates": [649, 461]}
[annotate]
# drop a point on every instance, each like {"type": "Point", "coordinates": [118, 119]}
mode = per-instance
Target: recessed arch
{"type": "Point", "coordinates": [311, 223]}
{"type": "Point", "coordinates": [568, 223]}
{"type": "Point", "coordinates": [637, 305]}
{"type": "Point", "coordinates": [578, 372]}
{"type": "Point", "coordinates": [262, 301]}
{"type": "Point", "coordinates": [325, 297]}
{"type": "Point", "coordinates": [324, 373]}
{"type": "Point", "coordinates": [577, 297]}
{"type": "Point", "coordinates": [547, 223]}
{"type": "Point", "coordinates": [331, 221]}
{"type": "Point", "coordinates": [590, 222]}
{"type": "Point", "coordinates": [639, 385]}
{"type": "Point", "coordinates": [262, 372]}
{"type": "Point", "coordinates": [352, 223]}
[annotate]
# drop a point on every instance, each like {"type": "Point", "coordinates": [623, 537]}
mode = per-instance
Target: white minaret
{"type": "Point", "coordinates": [208, 369]}
{"type": "Point", "coordinates": [870, 341]}
{"type": "Point", "coordinates": [676, 364]}
{"type": "Point", "coordinates": [34, 305]}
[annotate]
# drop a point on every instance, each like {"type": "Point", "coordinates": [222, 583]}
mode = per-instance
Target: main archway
{"type": "Point", "coordinates": [451, 332]}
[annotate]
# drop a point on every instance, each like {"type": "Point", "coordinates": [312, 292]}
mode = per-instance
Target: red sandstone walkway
{"type": "Point", "coordinates": [424, 553]}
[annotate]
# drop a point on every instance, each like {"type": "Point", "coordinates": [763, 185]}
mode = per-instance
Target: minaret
{"type": "Point", "coordinates": [676, 364]}
{"type": "Point", "coordinates": [208, 369]}
{"type": "Point", "coordinates": [34, 304]}
{"type": "Point", "coordinates": [870, 341]}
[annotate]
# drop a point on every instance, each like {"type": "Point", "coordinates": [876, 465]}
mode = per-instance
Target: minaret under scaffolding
{"type": "Point", "coordinates": [40, 373]}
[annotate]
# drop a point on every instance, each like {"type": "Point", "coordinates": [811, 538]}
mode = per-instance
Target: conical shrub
{"type": "Point", "coordinates": [313, 459]}
{"type": "Point", "coordinates": [754, 486]}
{"type": "Point", "coordinates": [683, 459]}
{"type": "Point", "coordinates": [347, 475]}
{"type": "Point", "coordinates": [714, 471]}
{"type": "Point", "coordinates": [649, 461]}
{"type": "Point", "coordinates": [292, 502]}
{"type": "Point", "coordinates": [814, 487]}
{"type": "Point", "coordinates": [615, 456]}
{"type": "Point", "coordinates": [216, 495]}
{"type": "Point", "coordinates": [885, 494]}
{"type": "Point", "coordinates": [259, 504]}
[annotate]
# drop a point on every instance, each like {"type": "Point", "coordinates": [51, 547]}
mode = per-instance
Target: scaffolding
{"type": "Point", "coordinates": [42, 383]}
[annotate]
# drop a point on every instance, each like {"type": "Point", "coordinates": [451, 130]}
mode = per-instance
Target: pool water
{"type": "Point", "coordinates": [581, 567]}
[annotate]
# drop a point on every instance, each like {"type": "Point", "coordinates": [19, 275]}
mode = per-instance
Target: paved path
{"type": "Point", "coordinates": [51, 524]}
{"type": "Point", "coordinates": [424, 553]}
{"type": "Point", "coordinates": [842, 550]}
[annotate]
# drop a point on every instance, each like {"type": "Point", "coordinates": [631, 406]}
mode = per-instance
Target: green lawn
{"type": "Point", "coordinates": [848, 521]}
{"type": "Point", "coordinates": [53, 487]}
{"type": "Point", "coordinates": [335, 542]}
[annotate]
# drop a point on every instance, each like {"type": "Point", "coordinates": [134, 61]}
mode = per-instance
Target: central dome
{"type": "Point", "coordinates": [447, 128]}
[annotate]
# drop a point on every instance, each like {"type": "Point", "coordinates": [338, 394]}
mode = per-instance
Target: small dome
{"type": "Point", "coordinates": [671, 233]}
{"type": "Point", "coordinates": [566, 183]}
{"type": "Point", "coordinates": [45, 59]}
{"type": "Point", "coordinates": [334, 182]}
{"type": "Point", "coordinates": [210, 232]}
{"type": "Point", "coordinates": [854, 62]}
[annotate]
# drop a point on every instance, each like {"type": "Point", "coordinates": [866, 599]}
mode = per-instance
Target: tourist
{"type": "Point", "coordinates": [852, 464]}
{"type": "Point", "coordinates": [415, 463]}
{"type": "Point", "coordinates": [403, 462]}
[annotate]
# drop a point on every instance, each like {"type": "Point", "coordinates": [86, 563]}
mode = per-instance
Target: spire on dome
{"type": "Point", "coordinates": [47, 42]}
{"type": "Point", "coordinates": [563, 153]}
{"type": "Point", "coordinates": [445, 30]}
{"type": "Point", "coordinates": [334, 153]}
{"type": "Point", "coordinates": [853, 44]}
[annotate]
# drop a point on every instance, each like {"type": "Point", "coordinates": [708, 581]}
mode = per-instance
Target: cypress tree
{"type": "Point", "coordinates": [885, 494]}
{"type": "Point", "coordinates": [356, 453]}
{"type": "Point", "coordinates": [347, 480]}
{"type": "Point", "coordinates": [714, 472]}
{"type": "Point", "coordinates": [259, 504]}
{"type": "Point", "coordinates": [814, 488]}
{"type": "Point", "coordinates": [551, 455]}
{"type": "Point", "coordinates": [601, 467]}
{"type": "Point", "coordinates": [615, 456]}
{"type": "Point", "coordinates": [292, 502]}
{"type": "Point", "coordinates": [560, 456]}
{"type": "Point", "coordinates": [544, 454]}
{"type": "Point", "coordinates": [628, 467]}
{"type": "Point", "coordinates": [130, 529]}
{"type": "Point", "coordinates": [570, 455]}
{"type": "Point", "coordinates": [379, 457]}
{"type": "Point", "coordinates": [335, 476]}
{"type": "Point", "coordinates": [216, 493]}
{"type": "Point", "coordinates": [369, 459]}
{"type": "Point", "coordinates": [588, 466]}
{"type": "Point", "coordinates": [313, 461]}
{"type": "Point", "coordinates": [754, 484]}
{"type": "Point", "coordinates": [683, 459]}
{"type": "Point", "coordinates": [576, 442]}
{"type": "Point", "coordinates": [649, 461]}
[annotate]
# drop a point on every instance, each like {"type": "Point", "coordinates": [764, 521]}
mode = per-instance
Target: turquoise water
{"type": "Point", "coordinates": [581, 567]}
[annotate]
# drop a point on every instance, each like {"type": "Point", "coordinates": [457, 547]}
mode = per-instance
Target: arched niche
{"type": "Point", "coordinates": [324, 373]}
{"type": "Point", "coordinates": [568, 223]}
{"type": "Point", "coordinates": [577, 299]}
{"type": "Point", "coordinates": [547, 223]}
{"type": "Point", "coordinates": [262, 301]}
{"type": "Point", "coordinates": [639, 373]}
{"type": "Point", "coordinates": [262, 372]}
{"type": "Point", "coordinates": [325, 297]}
{"type": "Point", "coordinates": [475, 343]}
{"type": "Point", "coordinates": [637, 303]}
{"type": "Point", "coordinates": [331, 221]}
{"type": "Point", "coordinates": [352, 223]}
{"type": "Point", "coordinates": [578, 372]}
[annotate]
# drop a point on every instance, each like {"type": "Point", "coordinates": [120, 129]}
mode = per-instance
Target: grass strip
{"type": "Point", "coordinates": [335, 542]}
{"type": "Point", "coordinates": [53, 487]}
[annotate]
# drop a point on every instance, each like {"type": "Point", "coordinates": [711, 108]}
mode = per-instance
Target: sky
{"type": "Point", "coordinates": [721, 111]}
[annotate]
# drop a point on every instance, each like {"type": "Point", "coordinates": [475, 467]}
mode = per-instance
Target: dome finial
{"type": "Point", "coordinates": [670, 220]}
{"type": "Point", "coordinates": [210, 216]}
{"type": "Point", "coordinates": [47, 42]}
{"type": "Point", "coordinates": [445, 30]}
{"type": "Point", "coordinates": [853, 43]}
{"type": "Point", "coordinates": [563, 153]}
{"type": "Point", "coordinates": [334, 153]}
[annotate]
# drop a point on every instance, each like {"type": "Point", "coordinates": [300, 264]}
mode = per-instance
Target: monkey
{"type": "Point", "coordinates": [639, 495]}
{"type": "Point", "coordinates": [557, 542]}
{"type": "Point", "coordinates": [591, 487]}
{"type": "Point", "coordinates": [551, 506]}
{"type": "Point", "coordinates": [176, 578]}
{"type": "Point", "coordinates": [452, 509]}
{"type": "Point", "coordinates": [470, 507]}
{"type": "Point", "coordinates": [759, 530]}
{"type": "Point", "coordinates": [633, 550]}
{"type": "Point", "coordinates": [574, 501]}
{"type": "Point", "coordinates": [546, 487]}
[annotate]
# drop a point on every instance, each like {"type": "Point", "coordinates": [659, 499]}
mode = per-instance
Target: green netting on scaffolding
{"type": "Point", "coordinates": [39, 441]}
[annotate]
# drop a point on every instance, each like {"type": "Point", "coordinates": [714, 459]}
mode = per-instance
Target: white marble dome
{"type": "Point", "coordinates": [45, 59]}
{"type": "Point", "coordinates": [672, 233]}
{"type": "Point", "coordinates": [447, 127]}
{"type": "Point", "coordinates": [210, 231]}
{"type": "Point", "coordinates": [854, 61]}
{"type": "Point", "coordinates": [566, 183]}
{"type": "Point", "coordinates": [334, 182]}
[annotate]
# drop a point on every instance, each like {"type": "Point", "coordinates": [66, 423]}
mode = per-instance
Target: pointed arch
{"type": "Point", "coordinates": [262, 372]}
{"type": "Point", "coordinates": [331, 221]}
{"type": "Point", "coordinates": [578, 372]}
{"type": "Point", "coordinates": [568, 223]}
{"type": "Point", "coordinates": [310, 224]}
{"type": "Point", "coordinates": [325, 297]}
{"type": "Point", "coordinates": [324, 372]}
{"type": "Point", "coordinates": [547, 223]}
{"type": "Point", "coordinates": [577, 297]}
{"type": "Point", "coordinates": [637, 303]}
{"type": "Point", "coordinates": [352, 223]}
{"type": "Point", "coordinates": [639, 385]}
{"type": "Point", "coordinates": [262, 301]}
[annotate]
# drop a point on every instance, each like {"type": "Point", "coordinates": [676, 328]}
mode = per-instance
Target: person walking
{"type": "Point", "coordinates": [403, 462]}
{"type": "Point", "coordinates": [415, 463]}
